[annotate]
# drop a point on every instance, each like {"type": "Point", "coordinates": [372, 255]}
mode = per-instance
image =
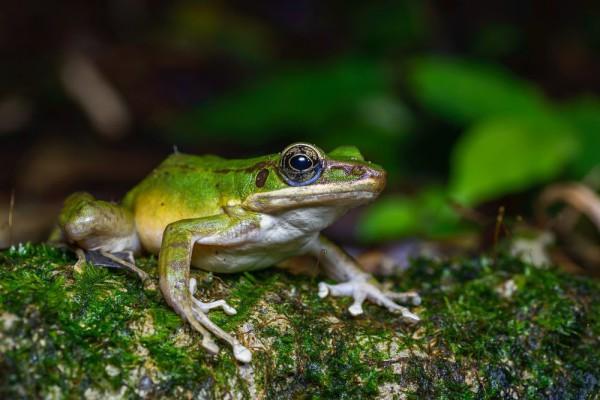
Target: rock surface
{"type": "Point", "coordinates": [490, 329]}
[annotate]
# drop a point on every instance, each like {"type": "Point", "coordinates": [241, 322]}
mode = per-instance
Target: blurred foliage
{"type": "Point", "coordinates": [465, 92]}
{"type": "Point", "coordinates": [301, 100]}
{"type": "Point", "coordinates": [584, 115]}
{"type": "Point", "coordinates": [428, 214]}
{"type": "Point", "coordinates": [503, 155]}
{"type": "Point", "coordinates": [514, 138]}
{"type": "Point", "coordinates": [459, 103]}
{"type": "Point", "coordinates": [348, 102]}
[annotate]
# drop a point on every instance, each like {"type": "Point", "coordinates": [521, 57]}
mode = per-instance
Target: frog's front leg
{"type": "Point", "coordinates": [174, 268]}
{"type": "Point", "coordinates": [356, 283]}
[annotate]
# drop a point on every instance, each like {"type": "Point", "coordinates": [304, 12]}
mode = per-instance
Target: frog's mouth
{"type": "Point", "coordinates": [347, 195]}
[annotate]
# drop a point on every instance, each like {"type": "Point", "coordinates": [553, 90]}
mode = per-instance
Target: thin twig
{"type": "Point", "coordinates": [578, 196]}
{"type": "Point", "coordinates": [499, 225]}
{"type": "Point", "coordinates": [468, 213]}
{"type": "Point", "coordinates": [580, 199]}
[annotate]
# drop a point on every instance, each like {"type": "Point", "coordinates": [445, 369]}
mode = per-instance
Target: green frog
{"type": "Point", "coordinates": [229, 216]}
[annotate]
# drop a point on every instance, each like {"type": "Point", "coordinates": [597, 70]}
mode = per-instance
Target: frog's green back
{"type": "Point", "coordinates": [188, 186]}
{"type": "Point", "coordinates": [199, 181]}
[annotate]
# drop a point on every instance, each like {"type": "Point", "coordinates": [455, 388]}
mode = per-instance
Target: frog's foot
{"type": "Point", "coordinates": [200, 309]}
{"type": "Point", "coordinates": [206, 307]}
{"type": "Point", "coordinates": [360, 289]}
{"type": "Point", "coordinates": [120, 260]}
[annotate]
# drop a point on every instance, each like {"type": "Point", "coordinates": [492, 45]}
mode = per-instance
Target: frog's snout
{"type": "Point", "coordinates": [371, 178]}
{"type": "Point", "coordinates": [377, 176]}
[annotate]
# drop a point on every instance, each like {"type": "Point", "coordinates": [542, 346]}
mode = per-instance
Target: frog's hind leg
{"type": "Point", "coordinates": [200, 310]}
{"type": "Point", "coordinates": [174, 259]}
{"type": "Point", "coordinates": [98, 225]}
{"type": "Point", "coordinates": [104, 233]}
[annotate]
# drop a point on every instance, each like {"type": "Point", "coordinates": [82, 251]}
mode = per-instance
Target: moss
{"type": "Point", "coordinates": [536, 342]}
{"type": "Point", "coordinates": [491, 329]}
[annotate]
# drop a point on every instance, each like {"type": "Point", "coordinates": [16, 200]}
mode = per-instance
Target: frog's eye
{"type": "Point", "coordinates": [301, 164]}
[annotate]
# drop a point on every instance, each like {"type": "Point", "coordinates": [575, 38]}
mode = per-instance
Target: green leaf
{"type": "Point", "coordinates": [584, 115]}
{"type": "Point", "coordinates": [298, 100]}
{"type": "Point", "coordinates": [504, 155]}
{"type": "Point", "coordinates": [428, 214]}
{"type": "Point", "coordinates": [465, 92]}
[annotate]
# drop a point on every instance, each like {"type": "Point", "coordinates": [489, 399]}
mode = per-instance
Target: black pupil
{"type": "Point", "coordinates": [300, 162]}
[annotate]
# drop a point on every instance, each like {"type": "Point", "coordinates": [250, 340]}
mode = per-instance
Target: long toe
{"type": "Point", "coordinates": [241, 353]}
{"type": "Point", "coordinates": [209, 344]}
{"type": "Point", "coordinates": [206, 307]}
{"type": "Point", "coordinates": [360, 290]}
{"type": "Point", "coordinates": [412, 298]}
{"type": "Point", "coordinates": [410, 317]}
{"type": "Point", "coordinates": [323, 290]}
{"type": "Point", "coordinates": [359, 297]}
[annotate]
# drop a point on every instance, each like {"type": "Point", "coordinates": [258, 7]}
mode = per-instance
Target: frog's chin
{"type": "Point", "coordinates": [327, 195]}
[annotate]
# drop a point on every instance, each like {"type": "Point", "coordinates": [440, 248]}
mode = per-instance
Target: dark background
{"type": "Point", "coordinates": [94, 94]}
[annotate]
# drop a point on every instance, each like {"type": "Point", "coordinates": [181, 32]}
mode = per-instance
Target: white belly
{"type": "Point", "coordinates": [236, 260]}
{"type": "Point", "coordinates": [247, 257]}
{"type": "Point", "coordinates": [276, 239]}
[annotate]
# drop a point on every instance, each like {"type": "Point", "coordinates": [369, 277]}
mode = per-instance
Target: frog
{"type": "Point", "coordinates": [235, 216]}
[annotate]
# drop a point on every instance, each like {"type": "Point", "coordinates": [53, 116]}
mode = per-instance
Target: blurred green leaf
{"type": "Point", "coordinates": [299, 100]}
{"type": "Point", "coordinates": [502, 155]}
{"type": "Point", "coordinates": [465, 92]}
{"type": "Point", "coordinates": [386, 113]}
{"type": "Point", "coordinates": [427, 214]}
{"type": "Point", "coordinates": [584, 115]}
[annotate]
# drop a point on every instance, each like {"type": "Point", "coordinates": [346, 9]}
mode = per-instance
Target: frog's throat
{"type": "Point", "coordinates": [347, 196]}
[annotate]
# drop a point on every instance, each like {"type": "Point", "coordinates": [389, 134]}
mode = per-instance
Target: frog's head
{"type": "Point", "coordinates": [302, 175]}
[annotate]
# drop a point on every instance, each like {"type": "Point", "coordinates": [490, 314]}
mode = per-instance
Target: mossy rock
{"type": "Point", "coordinates": [490, 329]}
